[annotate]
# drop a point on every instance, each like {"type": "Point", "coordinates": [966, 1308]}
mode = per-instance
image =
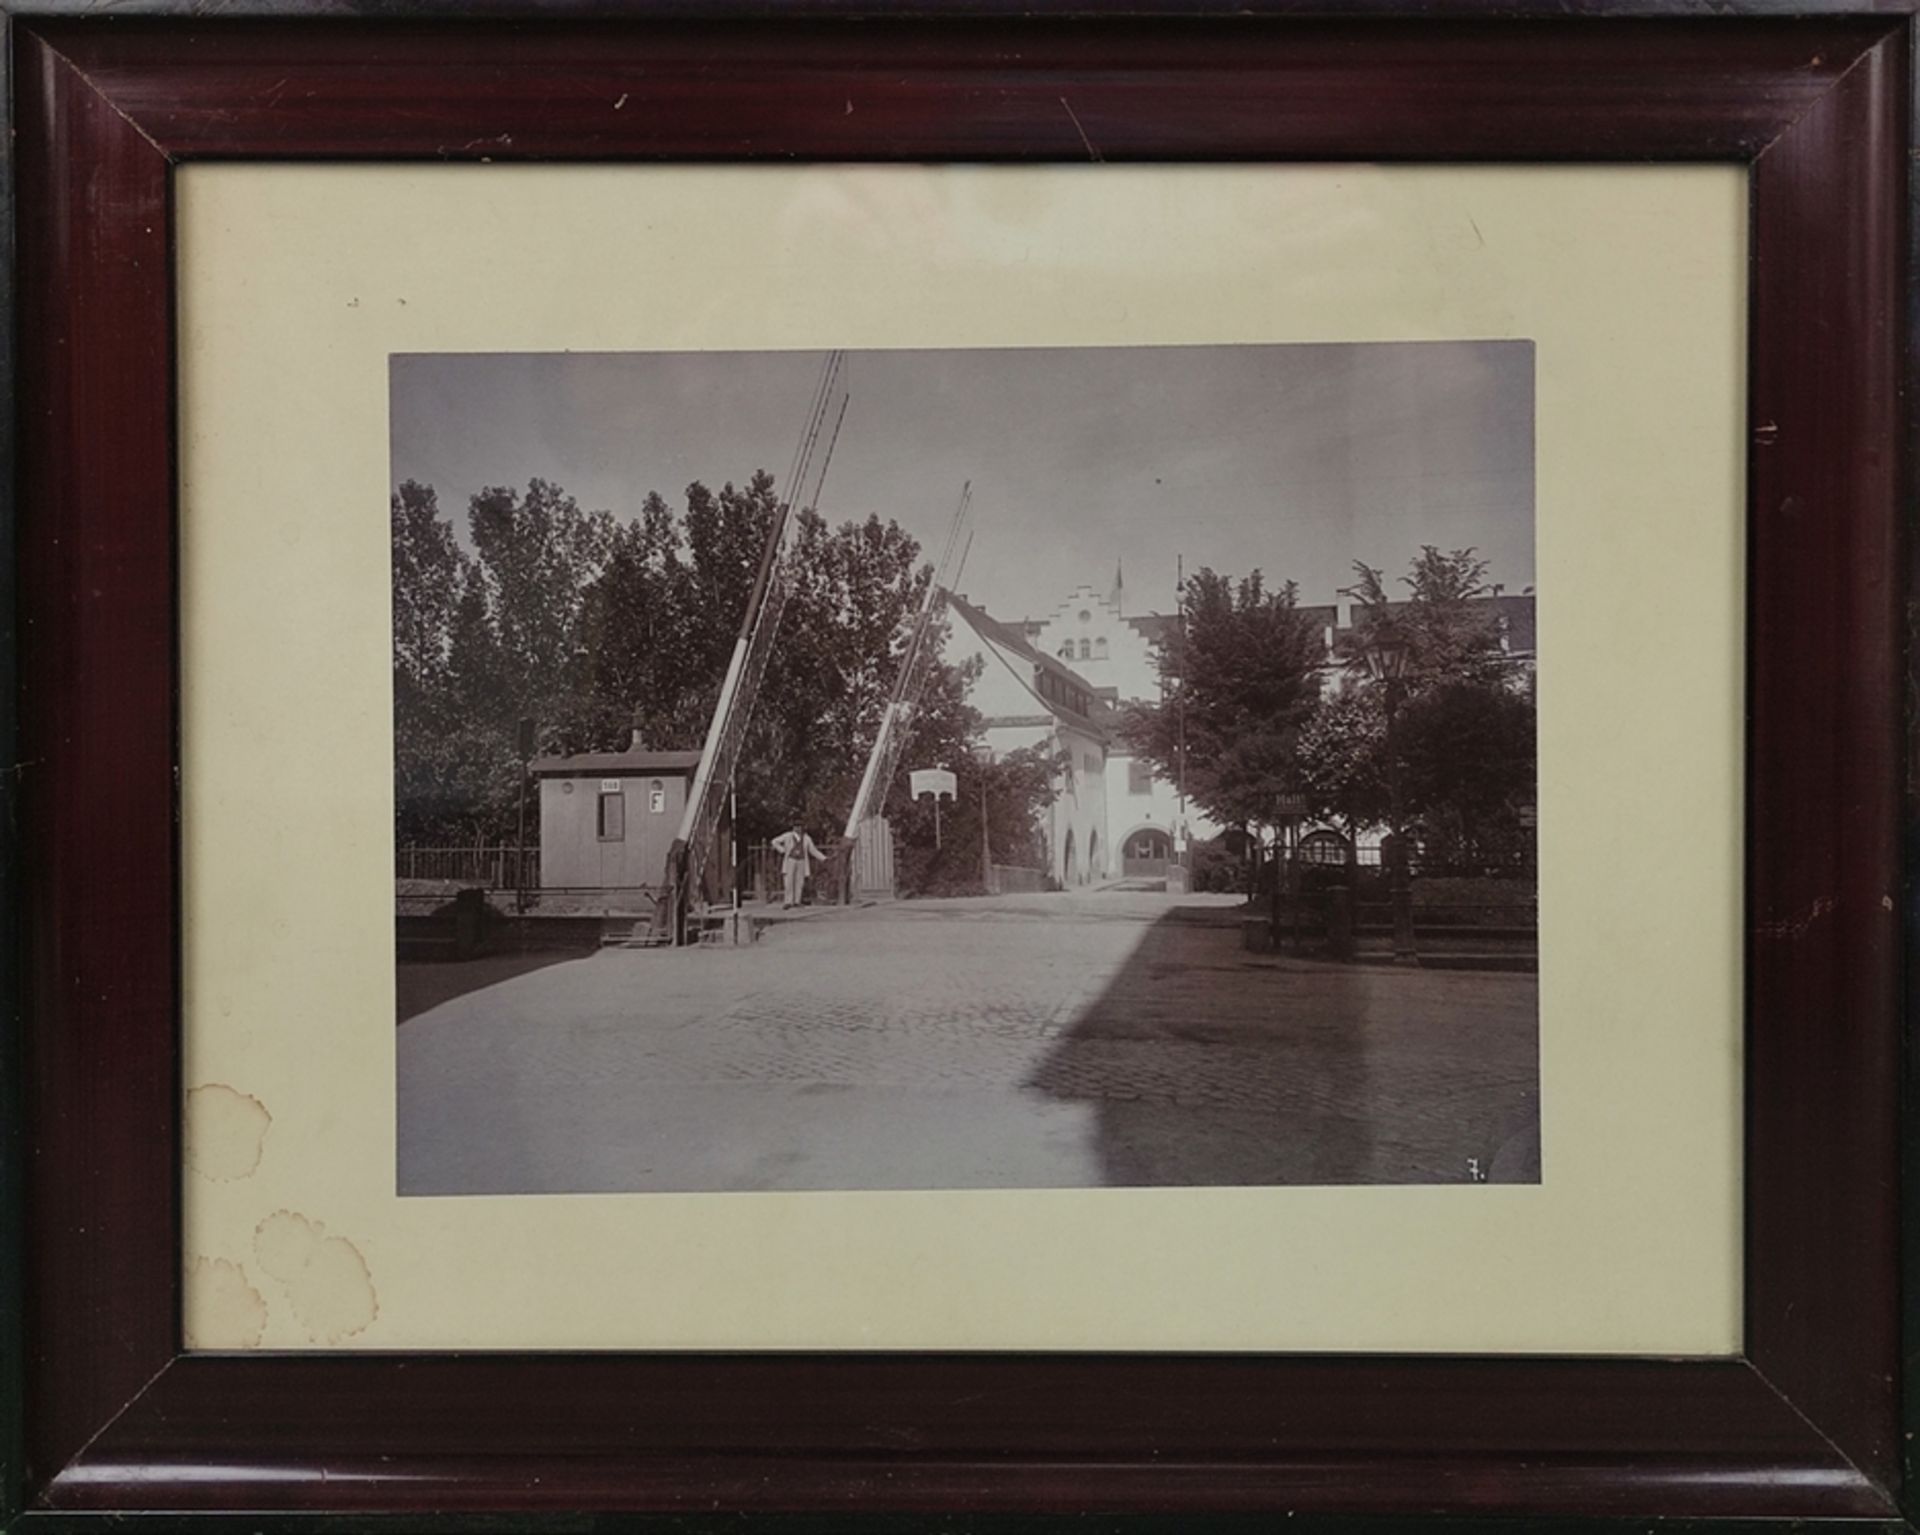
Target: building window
{"type": "Point", "coordinates": [1066, 650]}
{"type": "Point", "coordinates": [1100, 648]}
{"type": "Point", "coordinates": [657, 798]}
{"type": "Point", "coordinates": [1139, 777]}
{"type": "Point", "coordinates": [1086, 651]}
{"type": "Point", "coordinates": [1326, 848]}
{"type": "Point", "coordinates": [1084, 616]}
{"type": "Point", "coordinates": [613, 815]}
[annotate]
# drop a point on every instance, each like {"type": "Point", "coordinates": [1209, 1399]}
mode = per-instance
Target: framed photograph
{"type": "Point", "coordinates": [960, 763]}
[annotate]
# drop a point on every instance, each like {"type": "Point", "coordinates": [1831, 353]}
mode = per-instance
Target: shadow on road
{"type": "Point", "coordinates": [420, 985]}
{"type": "Point", "coordinates": [1204, 1064]}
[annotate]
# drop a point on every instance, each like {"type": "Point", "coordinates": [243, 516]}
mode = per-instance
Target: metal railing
{"type": "Point", "coordinates": [762, 877]}
{"type": "Point", "coordinates": [760, 873]}
{"type": "Point", "coordinates": [492, 868]}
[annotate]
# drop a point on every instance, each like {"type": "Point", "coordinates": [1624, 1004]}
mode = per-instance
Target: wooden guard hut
{"type": "Point", "coordinates": [607, 819]}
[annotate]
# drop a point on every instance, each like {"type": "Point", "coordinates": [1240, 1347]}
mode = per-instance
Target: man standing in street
{"type": "Point", "coordinates": [797, 854]}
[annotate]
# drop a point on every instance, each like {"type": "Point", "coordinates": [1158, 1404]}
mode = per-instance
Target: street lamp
{"type": "Point", "coordinates": [983, 757]}
{"type": "Point", "coordinates": [1387, 655]}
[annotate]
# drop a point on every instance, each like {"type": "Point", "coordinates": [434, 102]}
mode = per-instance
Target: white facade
{"type": "Point", "coordinates": [1028, 699]}
{"type": "Point", "coordinates": [1091, 632]}
{"type": "Point", "coordinates": [1139, 802]}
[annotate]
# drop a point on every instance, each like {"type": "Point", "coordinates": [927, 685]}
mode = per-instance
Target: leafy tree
{"type": "Point", "coordinates": [482, 641]}
{"type": "Point", "coordinates": [1343, 760]}
{"type": "Point", "coordinates": [537, 553]}
{"type": "Point", "coordinates": [454, 769]}
{"type": "Point", "coordinates": [1239, 680]}
{"type": "Point", "coordinates": [856, 591]}
{"type": "Point", "coordinates": [1018, 787]}
{"type": "Point", "coordinates": [646, 667]}
{"type": "Point", "coordinates": [1450, 633]}
{"type": "Point", "coordinates": [1468, 755]}
{"type": "Point", "coordinates": [593, 626]}
{"type": "Point", "coordinates": [1464, 733]}
{"type": "Point", "coordinates": [426, 589]}
{"type": "Point", "coordinates": [725, 535]}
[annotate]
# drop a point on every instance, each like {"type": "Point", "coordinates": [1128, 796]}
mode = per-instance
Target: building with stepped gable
{"type": "Point", "coordinates": [1117, 653]}
{"type": "Point", "coordinates": [1070, 676]}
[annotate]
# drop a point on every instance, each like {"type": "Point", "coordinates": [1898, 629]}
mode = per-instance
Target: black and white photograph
{"type": "Point", "coordinates": [965, 769]}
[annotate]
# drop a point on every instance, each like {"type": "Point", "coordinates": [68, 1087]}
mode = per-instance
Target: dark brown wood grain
{"type": "Point", "coordinates": [816, 1432]}
{"type": "Point", "coordinates": [1804, 1425]}
{"type": "Point", "coordinates": [95, 786]}
{"type": "Point", "coordinates": [1824, 884]}
{"type": "Point", "coordinates": [1226, 89]}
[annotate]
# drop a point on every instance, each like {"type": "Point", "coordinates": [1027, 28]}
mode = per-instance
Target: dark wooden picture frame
{"type": "Point", "coordinates": [1806, 1423]}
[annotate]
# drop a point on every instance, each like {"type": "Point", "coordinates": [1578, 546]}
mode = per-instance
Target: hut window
{"type": "Point", "coordinates": [613, 816]}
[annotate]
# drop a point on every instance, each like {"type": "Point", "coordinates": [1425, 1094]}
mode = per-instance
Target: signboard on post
{"type": "Point", "coordinates": [935, 781]}
{"type": "Point", "coordinates": [940, 784]}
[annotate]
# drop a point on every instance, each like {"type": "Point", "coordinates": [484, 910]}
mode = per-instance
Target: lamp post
{"type": "Point", "coordinates": [1387, 656]}
{"type": "Point", "coordinates": [983, 759]}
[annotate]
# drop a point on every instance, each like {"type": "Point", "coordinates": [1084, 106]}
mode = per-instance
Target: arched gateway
{"type": "Point", "coordinates": [1146, 853]}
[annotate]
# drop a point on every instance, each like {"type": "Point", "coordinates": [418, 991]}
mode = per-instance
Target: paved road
{"type": "Point", "coordinates": [1064, 1040]}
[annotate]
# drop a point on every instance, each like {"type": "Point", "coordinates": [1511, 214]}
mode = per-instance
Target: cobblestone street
{"type": "Point", "coordinates": [1107, 1037]}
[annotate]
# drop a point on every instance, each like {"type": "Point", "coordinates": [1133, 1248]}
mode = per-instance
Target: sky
{"type": "Point", "coordinates": [1296, 460]}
